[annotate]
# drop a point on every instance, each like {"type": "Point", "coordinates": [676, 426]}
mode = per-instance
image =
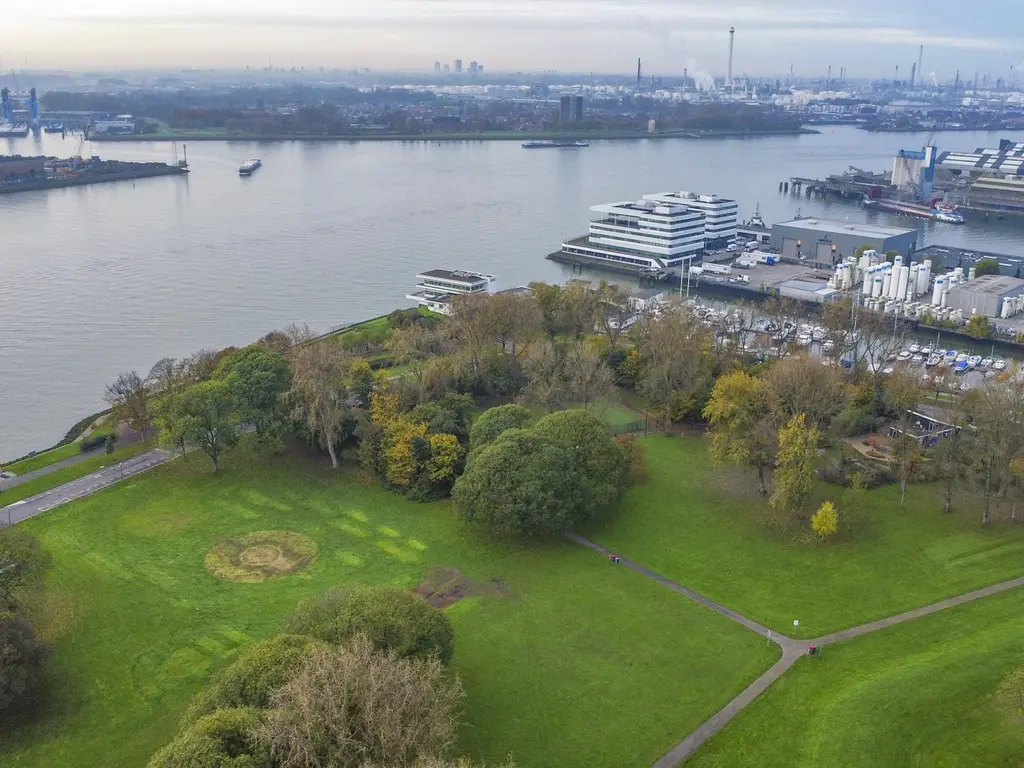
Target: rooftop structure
{"type": "Point", "coordinates": [437, 286]}
{"type": "Point", "coordinates": [985, 295]}
{"type": "Point", "coordinates": [720, 214]}
{"type": "Point", "coordinates": [1006, 160]}
{"type": "Point", "coordinates": [827, 242]}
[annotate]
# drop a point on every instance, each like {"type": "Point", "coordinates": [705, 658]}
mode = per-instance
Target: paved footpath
{"type": "Point", "coordinates": [792, 650]}
{"type": "Point", "coordinates": [83, 486]}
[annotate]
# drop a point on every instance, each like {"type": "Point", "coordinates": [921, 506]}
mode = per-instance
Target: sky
{"type": "Point", "coordinates": [868, 37]}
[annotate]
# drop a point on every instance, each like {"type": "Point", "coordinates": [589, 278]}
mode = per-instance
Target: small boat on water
{"type": "Point", "coordinates": [917, 359]}
{"type": "Point", "coordinates": [985, 362]}
{"type": "Point", "coordinates": [818, 334]}
{"type": "Point", "coordinates": [249, 167]}
{"type": "Point", "coordinates": [999, 365]}
{"type": "Point", "coordinates": [828, 345]}
{"type": "Point", "coordinates": [963, 356]}
{"type": "Point", "coordinates": [932, 361]}
{"type": "Point", "coordinates": [927, 350]}
{"type": "Point", "coordinates": [951, 356]}
{"type": "Point", "coordinates": [974, 361]}
{"type": "Point", "coordinates": [915, 348]}
{"type": "Point", "coordinates": [961, 366]}
{"type": "Point", "coordinates": [903, 356]}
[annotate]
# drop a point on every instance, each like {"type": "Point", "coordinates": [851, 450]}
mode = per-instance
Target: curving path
{"type": "Point", "coordinates": [792, 649]}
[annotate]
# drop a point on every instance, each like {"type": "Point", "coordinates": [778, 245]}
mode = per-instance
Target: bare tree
{"type": "Point", "coordinates": [470, 329]}
{"type": "Point", "coordinates": [803, 385]}
{"type": "Point", "coordinates": [904, 392]}
{"type": "Point", "coordinates": [318, 395]}
{"type": "Point", "coordinates": [588, 375]}
{"type": "Point", "coordinates": [999, 418]}
{"type": "Point", "coordinates": [545, 369]}
{"type": "Point", "coordinates": [515, 320]}
{"type": "Point", "coordinates": [616, 307]}
{"type": "Point", "coordinates": [128, 396]}
{"type": "Point", "coordinates": [352, 706]}
{"type": "Point", "coordinates": [675, 348]}
{"type": "Point", "coordinates": [953, 451]}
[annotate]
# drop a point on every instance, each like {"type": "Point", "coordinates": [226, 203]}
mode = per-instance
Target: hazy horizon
{"type": "Point", "coordinates": [867, 37]}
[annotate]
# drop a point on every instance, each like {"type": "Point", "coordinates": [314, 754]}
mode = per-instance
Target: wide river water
{"type": "Point", "coordinates": [101, 279]}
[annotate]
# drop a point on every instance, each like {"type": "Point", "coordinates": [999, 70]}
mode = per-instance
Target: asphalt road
{"type": "Point", "coordinates": [83, 486]}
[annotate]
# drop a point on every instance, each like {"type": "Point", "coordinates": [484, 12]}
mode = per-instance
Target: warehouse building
{"type": "Point", "coordinates": [827, 242]}
{"type": "Point", "coordinates": [985, 295]}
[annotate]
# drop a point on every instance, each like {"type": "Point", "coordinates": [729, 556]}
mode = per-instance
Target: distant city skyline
{"type": "Point", "coordinates": [867, 37]}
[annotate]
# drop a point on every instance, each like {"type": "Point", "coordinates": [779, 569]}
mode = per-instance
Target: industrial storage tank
{"type": "Point", "coordinates": [901, 286]}
{"type": "Point", "coordinates": [940, 285]}
{"type": "Point", "coordinates": [972, 273]}
{"type": "Point", "coordinates": [886, 282]}
{"type": "Point", "coordinates": [923, 275]}
{"type": "Point", "coordinates": [876, 285]}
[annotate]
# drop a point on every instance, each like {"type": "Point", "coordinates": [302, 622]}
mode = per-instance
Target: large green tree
{"type": "Point", "coordinates": [21, 660]}
{"type": "Point", "coordinates": [523, 484]}
{"type": "Point", "coordinates": [494, 421]}
{"type": "Point", "coordinates": [128, 396]}
{"type": "Point", "coordinates": [23, 563]}
{"type": "Point", "coordinates": [204, 415]}
{"type": "Point", "coordinates": [986, 267]}
{"type": "Point", "coordinates": [258, 378]}
{"type": "Point", "coordinates": [589, 444]}
{"type": "Point", "coordinates": [223, 739]}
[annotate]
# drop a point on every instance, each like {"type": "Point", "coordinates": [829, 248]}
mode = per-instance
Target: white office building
{"type": "Point", "coordinates": [644, 234]}
{"type": "Point", "coordinates": [720, 214]}
{"type": "Point", "coordinates": [437, 286]}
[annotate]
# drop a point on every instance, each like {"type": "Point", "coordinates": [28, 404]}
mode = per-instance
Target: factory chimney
{"type": "Point", "coordinates": [829, 78]}
{"type": "Point", "coordinates": [913, 74]}
{"type": "Point", "coordinates": [956, 83]}
{"type": "Point", "coordinates": [920, 56]}
{"type": "Point", "coordinates": [638, 73]}
{"type": "Point", "coordinates": [728, 77]}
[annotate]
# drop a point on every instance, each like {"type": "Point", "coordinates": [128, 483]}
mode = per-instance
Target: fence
{"type": "Point", "coordinates": [632, 426]}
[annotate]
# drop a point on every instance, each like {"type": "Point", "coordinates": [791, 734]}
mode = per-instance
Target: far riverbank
{"type": "Point", "coordinates": [210, 135]}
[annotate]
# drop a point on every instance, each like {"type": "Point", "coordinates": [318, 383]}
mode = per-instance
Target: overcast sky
{"type": "Point", "coordinates": [868, 37]}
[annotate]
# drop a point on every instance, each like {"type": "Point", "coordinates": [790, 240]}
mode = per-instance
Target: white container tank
{"type": "Point", "coordinates": [940, 286]}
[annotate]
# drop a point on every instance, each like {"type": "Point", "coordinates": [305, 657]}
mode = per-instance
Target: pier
{"type": "Point", "coordinates": [855, 184]}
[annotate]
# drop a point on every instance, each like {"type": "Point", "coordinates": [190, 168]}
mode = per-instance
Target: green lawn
{"type": "Point", "coordinates": [920, 694]}
{"type": "Point", "coordinates": [582, 663]}
{"type": "Point", "coordinates": [698, 525]}
{"type": "Point", "coordinates": [44, 459]}
{"type": "Point", "coordinates": [615, 415]}
{"type": "Point", "coordinates": [67, 474]}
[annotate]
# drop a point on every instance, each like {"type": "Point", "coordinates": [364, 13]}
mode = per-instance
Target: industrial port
{"type": "Point", "coordinates": [25, 174]}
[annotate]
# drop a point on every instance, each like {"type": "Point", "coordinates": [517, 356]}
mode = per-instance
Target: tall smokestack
{"type": "Point", "coordinates": [920, 56]}
{"type": "Point", "coordinates": [829, 78]}
{"type": "Point", "coordinates": [638, 73]}
{"type": "Point", "coordinates": [913, 74]}
{"type": "Point", "coordinates": [728, 77]}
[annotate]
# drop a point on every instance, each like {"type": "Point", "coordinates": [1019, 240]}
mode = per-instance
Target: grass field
{"type": "Point", "coordinates": [919, 694]}
{"type": "Point", "coordinates": [67, 474]}
{"type": "Point", "coordinates": [44, 459]}
{"type": "Point", "coordinates": [581, 663]}
{"type": "Point", "coordinates": [698, 524]}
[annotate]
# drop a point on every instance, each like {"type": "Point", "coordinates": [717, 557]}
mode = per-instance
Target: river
{"type": "Point", "coordinates": [101, 279]}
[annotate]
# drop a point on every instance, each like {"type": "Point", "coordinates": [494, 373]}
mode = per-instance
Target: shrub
{"type": "Point", "coordinates": [391, 618]}
{"type": "Point", "coordinates": [96, 439]}
{"type": "Point", "coordinates": [854, 421]}
{"type": "Point", "coordinates": [21, 660]}
{"type": "Point", "coordinates": [353, 706]}
{"type": "Point", "coordinates": [494, 421]}
{"type": "Point", "coordinates": [223, 739]}
{"type": "Point", "coordinates": [262, 668]}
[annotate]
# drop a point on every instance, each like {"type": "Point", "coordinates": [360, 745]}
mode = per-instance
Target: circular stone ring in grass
{"type": "Point", "coordinates": [260, 555]}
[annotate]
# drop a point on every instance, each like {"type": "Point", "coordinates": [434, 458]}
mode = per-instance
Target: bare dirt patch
{"type": "Point", "coordinates": [260, 555]}
{"type": "Point", "coordinates": [446, 585]}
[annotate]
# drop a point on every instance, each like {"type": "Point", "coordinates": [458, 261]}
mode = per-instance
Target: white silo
{"type": "Point", "coordinates": [944, 301]}
{"type": "Point", "coordinates": [972, 273]}
{"type": "Point", "coordinates": [912, 278]}
{"type": "Point", "coordinates": [847, 276]}
{"type": "Point", "coordinates": [865, 289]}
{"type": "Point", "coordinates": [953, 281]}
{"type": "Point", "coordinates": [940, 286]}
{"type": "Point", "coordinates": [901, 286]}
{"type": "Point", "coordinates": [1007, 308]}
{"type": "Point", "coordinates": [897, 262]}
{"type": "Point", "coordinates": [876, 285]}
{"type": "Point", "coordinates": [886, 282]}
{"type": "Point", "coordinates": [923, 276]}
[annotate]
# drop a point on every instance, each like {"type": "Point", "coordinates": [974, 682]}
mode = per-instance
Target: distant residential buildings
{"type": "Point", "coordinates": [458, 66]}
{"type": "Point", "coordinates": [565, 111]}
{"type": "Point", "coordinates": [437, 67]}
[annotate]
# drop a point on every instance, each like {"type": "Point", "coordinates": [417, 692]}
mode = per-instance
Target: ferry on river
{"type": "Point", "coordinates": [249, 166]}
{"type": "Point", "coordinates": [555, 145]}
